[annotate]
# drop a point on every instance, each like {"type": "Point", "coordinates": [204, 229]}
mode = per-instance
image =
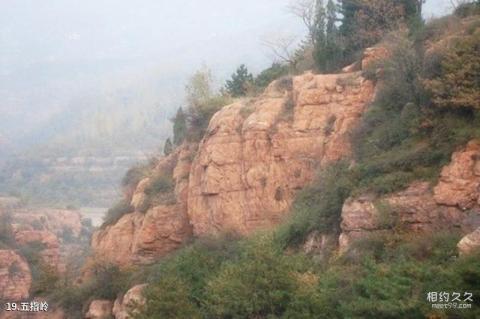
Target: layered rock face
{"type": "Point", "coordinates": [257, 153]}
{"type": "Point", "coordinates": [142, 237]}
{"type": "Point", "coordinates": [15, 277]}
{"type": "Point", "coordinates": [452, 204]}
{"type": "Point", "coordinates": [245, 172]}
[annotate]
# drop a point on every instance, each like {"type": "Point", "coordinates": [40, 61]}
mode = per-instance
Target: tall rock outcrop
{"type": "Point", "coordinates": [141, 237]}
{"type": "Point", "coordinates": [258, 153]}
{"type": "Point", "coordinates": [245, 172]}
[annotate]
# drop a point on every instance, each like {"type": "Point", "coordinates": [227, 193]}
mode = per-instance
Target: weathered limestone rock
{"type": "Point", "coordinates": [99, 309]}
{"type": "Point", "coordinates": [470, 243]}
{"type": "Point", "coordinates": [15, 277]}
{"type": "Point", "coordinates": [125, 304]}
{"type": "Point", "coordinates": [249, 166]}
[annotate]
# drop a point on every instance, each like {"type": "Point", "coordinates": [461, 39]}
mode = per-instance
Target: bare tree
{"type": "Point", "coordinates": [283, 48]}
{"type": "Point", "coordinates": [305, 10]}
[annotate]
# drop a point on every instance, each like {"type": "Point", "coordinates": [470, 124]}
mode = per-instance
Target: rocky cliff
{"type": "Point", "coordinates": [244, 174]}
{"type": "Point", "coordinates": [453, 203]}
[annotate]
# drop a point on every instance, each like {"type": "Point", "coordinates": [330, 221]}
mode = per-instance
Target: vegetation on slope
{"type": "Point", "coordinates": [409, 132]}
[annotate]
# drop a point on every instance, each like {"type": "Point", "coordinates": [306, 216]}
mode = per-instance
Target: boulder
{"type": "Point", "coordinates": [99, 309]}
{"type": "Point", "coordinates": [470, 243]}
{"type": "Point", "coordinates": [126, 304]}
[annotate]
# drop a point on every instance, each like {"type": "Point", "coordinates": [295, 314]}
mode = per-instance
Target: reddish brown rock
{"type": "Point", "coordinates": [452, 204]}
{"type": "Point", "coordinates": [459, 183]}
{"type": "Point", "coordinates": [374, 55]}
{"type": "Point", "coordinates": [244, 174]}
{"type": "Point", "coordinates": [249, 166]}
{"type": "Point", "coordinates": [56, 221]}
{"type": "Point", "coordinates": [141, 238]}
{"type": "Point", "coordinates": [99, 309]}
{"type": "Point", "coordinates": [126, 304]}
{"type": "Point", "coordinates": [49, 248]}
{"type": "Point", "coordinates": [470, 243]}
{"type": "Point", "coordinates": [15, 277]}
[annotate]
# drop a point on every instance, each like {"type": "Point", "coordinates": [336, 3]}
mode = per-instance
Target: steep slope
{"type": "Point", "coordinates": [243, 175]}
{"type": "Point", "coordinates": [452, 204]}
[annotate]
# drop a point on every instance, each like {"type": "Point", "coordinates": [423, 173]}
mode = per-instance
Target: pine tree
{"type": "Point", "coordinates": [240, 82]}
{"type": "Point", "coordinates": [168, 147]}
{"type": "Point", "coordinates": [332, 51]}
{"type": "Point", "coordinates": [179, 127]}
{"type": "Point", "coordinates": [320, 38]}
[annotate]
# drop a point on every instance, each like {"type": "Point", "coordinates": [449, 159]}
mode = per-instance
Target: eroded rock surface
{"type": "Point", "coordinates": [15, 277]}
{"type": "Point", "coordinates": [99, 309]}
{"type": "Point", "coordinates": [470, 243]}
{"type": "Point", "coordinates": [451, 204]}
{"type": "Point", "coordinates": [127, 303]}
{"type": "Point", "coordinates": [257, 154]}
{"type": "Point", "coordinates": [44, 242]}
{"type": "Point", "coordinates": [459, 184]}
{"type": "Point", "coordinates": [142, 237]}
{"type": "Point", "coordinates": [242, 177]}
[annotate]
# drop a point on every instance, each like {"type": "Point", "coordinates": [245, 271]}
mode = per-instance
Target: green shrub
{"type": "Point", "coordinates": [267, 76]}
{"type": "Point", "coordinates": [114, 214]}
{"type": "Point", "coordinates": [134, 175]}
{"type": "Point", "coordinates": [106, 282]}
{"type": "Point", "coordinates": [160, 191]}
{"type": "Point", "coordinates": [319, 205]}
{"type": "Point", "coordinates": [168, 298]}
{"type": "Point", "coordinates": [259, 284]}
{"type": "Point", "coordinates": [159, 184]}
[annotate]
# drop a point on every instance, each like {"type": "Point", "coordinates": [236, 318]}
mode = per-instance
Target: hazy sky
{"type": "Point", "coordinates": [51, 51]}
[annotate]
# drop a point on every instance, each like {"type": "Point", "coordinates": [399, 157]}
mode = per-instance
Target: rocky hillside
{"type": "Point", "coordinates": [350, 195]}
{"type": "Point", "coordinates": [242, 177]}
{"type": "Point", "coordinates": [36, 247]}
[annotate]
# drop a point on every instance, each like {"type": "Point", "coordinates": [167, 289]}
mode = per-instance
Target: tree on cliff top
{"type": "Point", "coordinates": [179, 127]}
{"type": "Point", "coordinates": [365, 22]}
{"type": "Point", "coordinates": [240, 82]}
{"type": "Point", "coordinates": [203, 102]}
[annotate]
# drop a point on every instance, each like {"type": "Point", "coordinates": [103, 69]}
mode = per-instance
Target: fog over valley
{"type": "Point", "coordinates": [103, 78]}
